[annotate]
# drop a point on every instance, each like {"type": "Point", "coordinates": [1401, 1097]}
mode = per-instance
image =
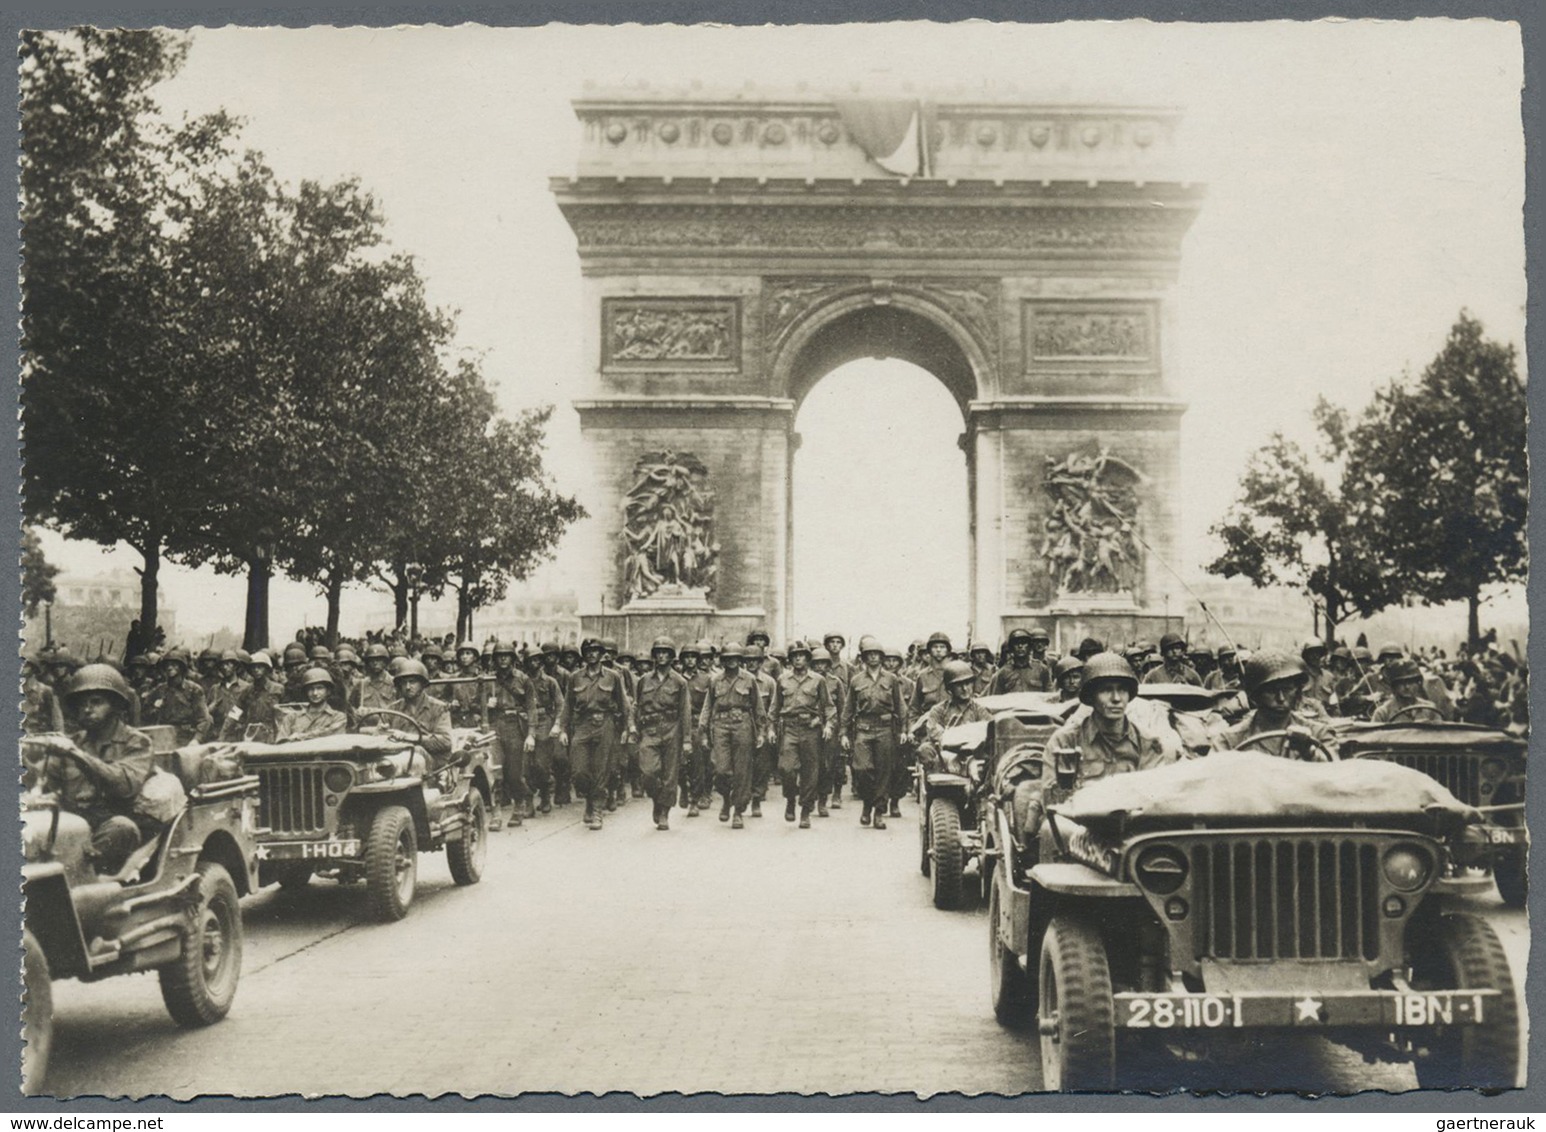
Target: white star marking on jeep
{"type": "Point", "coordinates": [1309, 1009]}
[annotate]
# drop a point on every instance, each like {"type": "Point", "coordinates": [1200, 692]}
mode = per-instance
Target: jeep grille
{"type": "Point", "coordinates": [1460, 774]}
{"type": "Point", "coordinates": [1286, 897]}
{"type": "Point", "coordinates": [290, 799]}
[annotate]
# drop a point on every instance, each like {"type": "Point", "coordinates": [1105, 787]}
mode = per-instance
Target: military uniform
{"type": "Point", "coordinates": [982, 680]}
{"type": "Point", "coordinates": [183, 708]}
{"type": "Point", "coordinates": [547, 703]}
{"type": "Point", "coordinates": [700, 773]}
{"type": "Point", "coordinates": [106, 803]}
{"type": "Point", "coordinates": [765, 759]}
{"type": "Point", "coordinates": [227, 694]}
{"type": "Point", "coordinates": [664, 708]}
{"type": "Point", "coordinates": [311, 722]}
{"type": "Point", "coordinates": [1251, 724]}
{"type": "Point", "coordinates": [595, 709]}
{"type": "Point", "coordinates": [509, 706]}
{"type": "Point", "coordinates": [732, 719]}
{"type": "Point", "coordinates": [434, 720]}
{"type": "Point", "coordinates": [940, 719]}
{"type": "Point", "coordinates": [1168, 673]}
{"type": "Point", "coordinates": [257, 705]}
{"type": "Point", "coordinates": [40, 707]}
{"type": "Point", "coordinates": [1033, 676]}
{"type": "Point", "coordinates": [928, 689]}
{"type": "Point", "coordinates": [804, 713]}
{"type": "Point", "coordinates": [873, 713]}
{"type": "Point", "coordinates": [373, 692]}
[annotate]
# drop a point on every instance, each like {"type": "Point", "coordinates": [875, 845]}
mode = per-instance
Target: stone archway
{"type": "Point", "coordinates": [734, 251]}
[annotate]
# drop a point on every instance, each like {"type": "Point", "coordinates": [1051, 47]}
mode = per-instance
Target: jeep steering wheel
{"type": "Point", "coordinates": [1301, 736]}
{"type": "Point", "coordinates": [1438, 716]}
{"type": "Point", "coordinates": [418, 729]}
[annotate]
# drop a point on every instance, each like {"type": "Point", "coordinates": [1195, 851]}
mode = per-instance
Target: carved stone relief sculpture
{"type": "Point", "coordinates": [668, 528]}
{"type": "Point", "coordinates": [1090, 541]}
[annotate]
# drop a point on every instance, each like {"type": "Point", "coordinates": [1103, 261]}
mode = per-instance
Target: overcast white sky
{"type": "Point", "coordinates": [1365, 183]}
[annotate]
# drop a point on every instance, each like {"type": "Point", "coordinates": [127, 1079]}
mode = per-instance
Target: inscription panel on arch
{"type": "Point", "coordinates": [671, 334]}
{"type": "Point", "coordinates": [1090, 335]}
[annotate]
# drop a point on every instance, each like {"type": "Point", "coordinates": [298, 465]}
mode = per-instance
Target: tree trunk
{"type": "Point", "coordinates": [255, 631]}
{"type": "Point", "coordinates": [335, 594]}
{"type": "Point", "coordinates": [1473, 630]}
{"type": "Point", "coordinates": [463, 615]}
{"type": "Point", "coordinates": [399, 593]}
{"type": "Point", "coordinates": [149, 591]}
{"type": "Point", "coordinates": [413, 616]}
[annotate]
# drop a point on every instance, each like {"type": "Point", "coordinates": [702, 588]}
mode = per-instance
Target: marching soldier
{"type": "Point", "coordinates": [510, 707]}
{"type": "Point", "coordinates": [805, 720]}
{"type": "Point", "coordinates": [765, 760]}
{"type": "Point", "coordinates": [702, 759]}
{"type": "Point", "coordinates": [1023, 673]}
{"type": "Point", "coordinates": [226, 692]}
{"type": "Point", "coordinates": [665, 729]}
{"type": "Point", "coordinates": [1173, 668]}
{"type": "Point", "coordinates": [294, 660]}
{"type": "Point", "coordinates": [208, 672]}
{"type": "Point", "coordinates": [595, 710]}
{"type": "Point", "coordinates": [874, 722]}
{"type": "Point", "coordinates": [758, 638]}
{"type": "Point", "coordinates": [179, 702]}
{"type": "Point", "coordinates": [830, 749]}
{"type": "Point", "coordinates": [318, 718]}
{"type": "Point", "coordinates": [547, 700]}
{"type": "Point", "coordinates": [258, 705]}
{"type": "Point", "coordinates": [625, 767]}
{"type": "Point", "coordinates": [839, 674]}
{"type": "Point", "coordinates": [929, 687]}
{"type": "Point", "coordinates": [686, 665]}
{"type": "Point", "coordinates": [465, 698]}
{"type": "Point", "coordinates": [902, 766]}
{"type": "Point", "coordinates": [733, 722]}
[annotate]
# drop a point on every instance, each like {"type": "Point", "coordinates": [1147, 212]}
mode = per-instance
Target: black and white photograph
{"type": "Point", "coordinates": [909, 558]}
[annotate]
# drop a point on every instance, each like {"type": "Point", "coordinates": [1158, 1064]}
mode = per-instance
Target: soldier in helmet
{"type": "Point", "coordinates": [1088, 648]}
{"type": "Point", "coordinates": [375, 689]}
{"type": "Point", "coordinates": [547, 701]}
{"type": "Point", "coordinates": [509, 706]}
{"type": "Point", "coordinates": [1321, 686]}
{"type": "Point", "coordinates": [804, 720]}
{"type": "Point", "coordinates": [1173, 667]}
{"type": "Point", "coordinates": [1275, 681]}
{"type": "Point", "coordinates": [258, 704]}
{"type": "Point", "coordinates": [902, 767]}
{"type": "Point", "coordinates": [100, 777]}
{"type": "Point", "coordinates": [226, 692]}
{"type": "Point", "coordinates": [295, 666]}
{"type": "Point", "coordinates": [664, 709]}
{"type": "Point", "coordinates": [765, 760]}
{"type": "Point", "coordinates": [838, 674]}
{"type": "Point", "coordinates": [433, 734]}
{"type": "Point", "coordinates": [625, 766]}
{"type": "Point", "coordinates": [596, 710]}
{"type": "Point", "coordinates": [465, 697]}
{"type": "Point", "coordinates": [179, 702]}
{"type": "Point", "coordinates": [702, 759]}
{"type": "Point", "coordinates": [1023, 673]}
{"type": "Point", "coordinates": [733, 722]}
{"type": "Point", "coordinates": [142, 674]}
{"type": "Point", "coordinates": [929, 687]}
{"type": "Point", "coordinates": [686, 665]}
{"type": "Point", "coordinates": [758, 638]}
{"type": "Point", "coordinates": [983, 668]}
{"type": "Point", "coordinates": [318, 717]}
{"type": "Point", "coordinates": [1406, 695]}
{"type": "Point", "coordinates": [433, 659]}
{"type": "Point", "coordinates": [874, 723]}
{"type": "Point", "coordinates": [1202, 660]}
{"type": "Point", "coordinates": [40, 705]}
{"type": "Point", "coordinates": [1069, 675]}
{"type": "Point", "coordinates": [208, 671]}
{"type": "Point", "coordinates": [828, 748]}
{"type": "Point", "coordinates": [959, 708]}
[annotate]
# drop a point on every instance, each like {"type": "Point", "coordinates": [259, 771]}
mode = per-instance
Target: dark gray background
{"type": "Point", "coordinates": [1530, 14]}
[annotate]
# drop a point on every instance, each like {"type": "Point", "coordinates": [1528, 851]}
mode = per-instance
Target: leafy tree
{"type": "Point", "coordinates": [1293, 525]}
{"type": "Point", "coordinates": [37, 574]}
{"type": "Point", "coordinates": [1442, 462]}
{"type": "Point", "coordinates": [114, 427]}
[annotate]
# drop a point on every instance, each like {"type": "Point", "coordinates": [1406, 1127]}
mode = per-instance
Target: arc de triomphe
{"type": "Point", "coordinates": [735, 249]}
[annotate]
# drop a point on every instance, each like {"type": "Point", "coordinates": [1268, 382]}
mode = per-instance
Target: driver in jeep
{"type": "Point", "coordinates": [959, 679]}
{"type": "Point", "coordinates": [101, 775]}
{"type": "Point", "coordinates": [1102, 742]}
{"type": "Point", "coordinates": [1406, 699]}
{"type": "Point", "coordinates": [433, 716]}
{"type": "Point", "coordinates": [1275, 682]}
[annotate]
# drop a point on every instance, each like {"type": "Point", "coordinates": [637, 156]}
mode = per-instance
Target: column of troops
{"type": "Point", "coordinates": [682, 722]}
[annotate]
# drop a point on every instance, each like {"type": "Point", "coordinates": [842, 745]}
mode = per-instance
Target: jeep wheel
{"type": "Point", "coordinates": [200, 984]}
{"type": "Point", "coordinates": [37, 1016]}
{"type": "Point", "coordinates": [293, 874]}
{"type": "Point", "coordinates": [923, 838]}
{"type": "Point", "coordinates": [1463, 953]}
{"type": "Point", "coordinates": [1075, 1014]}
{"type": "Point", "coordinates": [391, 864]}
{"type": "Point", "coordinates": [949, 859]}
{"type": "Point", "coordinates": [1007, 984]}
{"type": "Point", "coordinates": [1511, 871]}
{"type": "Point", "coordinates": [467, 855]}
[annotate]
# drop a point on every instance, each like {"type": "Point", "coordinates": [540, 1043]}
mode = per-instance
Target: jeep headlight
{"type": "Point", "coordinates": [338, 779]}
{"type": "Point", "coordinates": [1161, 869]}
{"type": "Point", "coordinates": [1407, 867]}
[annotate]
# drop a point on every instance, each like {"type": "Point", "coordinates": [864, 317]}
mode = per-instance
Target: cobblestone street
{"type": "Point", "coordinates": [703, 959]}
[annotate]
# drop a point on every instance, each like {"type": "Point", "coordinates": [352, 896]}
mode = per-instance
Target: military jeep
{"type": "Point", "coordinates": [362, 807]}
{"type": "Point", "coordinates": [172, 908]}
{"type": "Point", "coordinates": [1482, 767]}
{"type": "Point", "coordinates": [1189, 909]}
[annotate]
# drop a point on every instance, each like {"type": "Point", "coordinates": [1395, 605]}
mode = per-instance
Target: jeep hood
{"type": "Point", "coordinates": [346, 746]}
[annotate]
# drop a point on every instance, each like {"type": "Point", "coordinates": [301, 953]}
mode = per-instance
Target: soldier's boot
{"type": "Point", "coordinates": [821, 808]}
{"type": "Point", "coordinates": [805, 817]}
{"type": "Point", "coordinates": [692, 807]}
{"type": "Point", "coordinates": [736, 822]}
{"type": "Point", "coordinates": [590, 813]}
{"type": "Point", "coordinates": [789, 810]}
{"type": "Point", "coordinates": [547, 802]}
{"type": "Point", "coordinates": [880, 817]}
{"type": "Point", "coordinates": [496, 818]}
{"type": "Point", "coordinates": [756, 808]}
{"type": "Point", "coordinates": [724, 811]}
{"type": "Point", "coordinates": [531, 807]}
{"type": "Point", "coordinates": [895, 812]}
{"type": "Point", "coordinates": [515, 815]}
{"type": "Point", "coordinates": [612, 802]}
{"type": "Point", "coordinates": [864, 818]}
{"type": "Point", "coordinates": [663, 818]}
{"type": "Point", "coordinates": [837, 800]}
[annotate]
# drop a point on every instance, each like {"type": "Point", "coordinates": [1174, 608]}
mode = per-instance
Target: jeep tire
{"type": "Point", "coordinates": [949, 857]}
{"type": "Point", "coordinates": [199, 986]}
{"type": "Point", "coordinates": [37, 1016]}
{"type": "Point", "coordinates": [1510, 869]}
{"type": "Point", "coordinates": [466, 856]}
{"type": "Point", "coordinates": [1462, 952]}
{"type": "Point", "coordinates": [391, 864]}
{"type": "Point", "coordinates": [923, 835]}
{"type": "Point", "coordinates": [1008, 986]}
{"type": "Point", "coordinates": [1075, 1014]}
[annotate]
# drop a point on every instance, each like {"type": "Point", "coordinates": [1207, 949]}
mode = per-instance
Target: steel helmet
{"type": "Point", "coordinates": [431, 649]}
{"type": "Point", "coordinates": [1272, 666]}
{"type": "Point", "coordinates": [732, 651]}
{"type": "Point", "coordinates": [346, 655]}
{"type": "Point", "coordinates": [210, 655]}
{"type": "Point", "coordinates": [626, 654]}
{"type": "Point", "coordinates": [317, 676]}
{"type": "Point", "coordinates": [171, 656]}
{"type": "Point", "coordinates": [504, 647]}
{"type": "Point", "coordinates": [1201, 650]}
{"type": "Point", "coordinates": [243, 656]}
{"type": "Point", "coordinates": [756, 652]}
{"type": "Point", "coordinates": [396, 649]}
{"type": "Point", "coordinates": [1089, 647]}
{"type": "Point", "coordinates": [981, 646]}
{"type": "Point", "coordinates": [665, 643]}
{"type": "Point", "coordinates": [1312, 645]}
{"type": "Point", "coordinates": [1363, 656]}
{"type": "Point", "coordinates": [780, 654]}
{"type": "Point", "coordinates": [819, 653]}
{"type": "Point", "coordinates": [99, 678]}
{"type": "Point", "coordinates": [609, 644]}
{"type": "Point", "coordinates": [797, 647]}
{"type": "Point", "coordinates": [230, 655]}
{"type": "Point", "coordinates": [689, 649]}
{"type": "Point", "coordinates": [261, 657]}
{"type": "Point", "coordinates": [1402, 669]}
{"type": "Point", "coordinates": [758, 635]}
{"type": "Point", "coordinates": [1018, 635]}
{"type": "Point", "coordinates": [958, 672]}
{"type": "Point", "coordinates": [893, 653]}
{"type": "Point", "coordinates": [939, 637]}
{"type": "Point", "coordinates": [550, 648]}
{"type": "Point", "coordinates": [533, 660]}
{"type": "Point", "coordinates": [1039, 634]}
{"type": "Point", "coordinates": [410, 669]}
{"type": "Point", "coordinates": [870, 644]}
{"type": "Point", "coordinates": [395, 665]}
{"type": "Point", "coordinates": [1389, 651]}
{"type": "Point", "coordinates": [1226, 649]}
{"type": "Point", "coordinates": [139, 660]}
{"type": "Point", "coordinates": [1170, 639]}
{"type": "Point", "coordinates": [67, 658]}
{"type": "Point", "coordinates": [377, 651]}
{"type": "Point", "coordinates": [834, 636]}
{"type": "Point", "coordinates": [321, 653]}
{"type": "Point", "coordinates": [1066, 665]}
{"type": "Point", "coordinates": [1106, 666]}
{"type": "Point", "coordinates": [294, 651]}
{"type": "Point", "coordinates": [465, 646]}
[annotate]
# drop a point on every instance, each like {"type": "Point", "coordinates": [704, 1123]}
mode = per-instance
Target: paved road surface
{"type": "Point", "coordinates": [770, 959]}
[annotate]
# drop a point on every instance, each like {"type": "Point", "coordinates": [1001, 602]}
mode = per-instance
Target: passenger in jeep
{"type": "Point", "coordinates": [101, 776]}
